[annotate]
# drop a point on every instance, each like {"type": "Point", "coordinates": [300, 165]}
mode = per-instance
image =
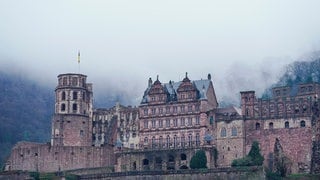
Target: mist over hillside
{"type": "Point", "coordinates": [25, 111]}
{"type": "Point", "coordinates": [305, 70]}
{"type": "Point", "coordinates": [27, 106]}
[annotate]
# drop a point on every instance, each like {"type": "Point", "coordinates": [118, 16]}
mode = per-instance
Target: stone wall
{"type": "Point", "coordinates": [252, 173]}
{"type": "Point", "coordinates": [230, 143]}
{"type": "Point", "coordinates": [47, 158]}
{"type": "Point", "coordinates": [296, 142]}
{"type": "Point", "coordinates": [169, 159]}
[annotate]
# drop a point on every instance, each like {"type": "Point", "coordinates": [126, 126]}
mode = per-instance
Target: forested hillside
{"type": "Point", "coordinates": [25, 112]}
{"type": "Point", "coordinates": [296, 73]}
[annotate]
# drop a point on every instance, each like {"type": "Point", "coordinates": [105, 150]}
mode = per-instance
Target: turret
{"type": "Point", "coordinates": [71, 124]}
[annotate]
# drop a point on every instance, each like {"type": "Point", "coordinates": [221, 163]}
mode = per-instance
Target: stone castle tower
{"type": "Point", "coordinates": [247, 103]}
{"type": "Point", "coordinates": [71, 123]}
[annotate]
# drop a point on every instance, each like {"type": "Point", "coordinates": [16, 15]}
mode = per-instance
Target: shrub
{"type": "Point", "coordinates": [199, 160]}
{"type": "Point", "coordinates": [254, 158]}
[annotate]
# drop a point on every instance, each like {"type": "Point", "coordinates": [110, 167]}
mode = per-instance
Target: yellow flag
{"type": "Point", "coordinates": [78, 56]}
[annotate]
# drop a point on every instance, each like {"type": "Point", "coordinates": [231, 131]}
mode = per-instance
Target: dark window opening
{"type": "Point", "coordinates": [257, 126]}
{"type": "Point", "coordinates": [74, 107]}
{"type": "Point", "coordinates": [63, 96]}
{"type": "Point", "coordinates": [302, 124]}
{"type": "Point", "coordinates": [171, 158]}
{"type": "Point", "coordinates": [63, 107]}
{"type": "Point", "coordinates": [286, 124]}
{"type": "Point", "coordinates": [184, 167]}
{"type": "Point", "coordinates": [134, 166]}
{"type": "Point", "coordinates": [81, 132]}
{"type": "Point", "coordinates": [75, 95]}
{"type": "Point", "coordinates": [145, 162]}
{"type": "Point", "coordinates": [271, 125]}
{"type": "Point", "coordinates": [183, 157]}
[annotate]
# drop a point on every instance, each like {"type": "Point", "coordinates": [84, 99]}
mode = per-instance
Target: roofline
{"type": "Point", "coordinates": [68, 74]}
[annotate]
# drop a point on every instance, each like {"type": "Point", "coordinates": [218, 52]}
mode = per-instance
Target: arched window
{"type": "Point", "coordinates": [168, 141]}
{"type": "Point", "coordinates": [182, 141]}
{"type": "Point", "coordinates": [183, 157]}
{"type": "Point", "coordinates": [234, 131]}
{"type": "Point", "coordinates": [153, 141]}
{"type": "Point", "coordinates": [190, 140]}
{"type": "Point", "coordinates": [63, 95]}
{"type": "Point", "coordinates": [223, 132]}
{"type": "Point", "coordinates": [197, 139]}
{"type": "Point", "coordinates": [175, 140]}
{"type": "Point", "coordinates": [63, 107]}
{"type": "Point", "coordinates": [302, 124]}
{"type": "Point", "coordinates": [146, 140]}
{"type": "Point", "coordinates": [286, 124]}
{"type": "Point", "coordinates": [257, 126]}
{"type": "Point", "coordinates": [271, 125]}
{"type": "Point", "coordinates": [160, 142]}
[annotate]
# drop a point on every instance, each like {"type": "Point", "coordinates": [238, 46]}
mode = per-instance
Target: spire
{"type": "Point", "coordinates": [157, 81]}
{"type": "Point", "coordinates": [186, 79]}
{"type": "Point", "coordinates": [150, 82]}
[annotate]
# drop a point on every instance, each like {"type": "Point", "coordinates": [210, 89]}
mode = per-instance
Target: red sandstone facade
{"type": "Point", "coordinates": [173, 121]}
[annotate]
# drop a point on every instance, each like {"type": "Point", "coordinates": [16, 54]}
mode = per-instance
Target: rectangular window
{"type": "Point", "coordinates": [74, 107]}
{"type": "Point", "coordinates": [175, 109]}
{"type": "Point", "coordinates": [153, 111]}
{"type": "Point", "coordinates": [197, 120]}
{"type": "Point", "coordinates": [175, 122]}
{"type": "Point", "coordinates": [160, 124]}
{"type": "Point", "coordinates": [75, 95]}
{"type": "Point", "coordinates": [182, 109]}
{"type": "Point", "coordinates": [189, 108]}
{"type": "Point", "coordinates": [160, 110]}
{"type": "Point", "coordinates": [197, 107]}
{"type": "Point", "coordinates": [145, 124]}
{"type": "Point", "coordinates": [168, 123]}
{"type": "Point", "coordinates": [153, 123]}
{"type": "Point", "coordinates": [190, 121]}
{"type": "Point", "coordinates": [197, 139]}
{"type": "Point", "coordinates": [167, 110]}
{"type": "Point", "coordinates": [81, 133]}
{"type": "Point", "coordinates": [182, 122]}
{"type": "Point", "coordinates": [145, 112]}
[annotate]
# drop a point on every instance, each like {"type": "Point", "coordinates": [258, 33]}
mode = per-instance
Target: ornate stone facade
{"type": "Point", "coordinates": [172, 122]}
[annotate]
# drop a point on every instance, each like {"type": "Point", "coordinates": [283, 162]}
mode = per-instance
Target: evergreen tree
{"type": "Point", "coordinates": [257, 158]}
{"type": "Point", "coordinates": [199, 160]}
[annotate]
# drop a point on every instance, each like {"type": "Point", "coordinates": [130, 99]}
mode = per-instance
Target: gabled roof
{"type": "Point", "coordinates": [202, 87]}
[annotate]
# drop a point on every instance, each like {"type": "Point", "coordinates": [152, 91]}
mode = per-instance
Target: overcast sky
{"type": "Point", "coordinates": [243, 44]}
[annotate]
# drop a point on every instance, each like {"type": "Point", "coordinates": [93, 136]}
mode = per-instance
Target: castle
{"type": "Point", "coordinates": [172, 122]}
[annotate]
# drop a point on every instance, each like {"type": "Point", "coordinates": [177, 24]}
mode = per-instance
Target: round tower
{"type": "Point", "coordinates": [71, 125]}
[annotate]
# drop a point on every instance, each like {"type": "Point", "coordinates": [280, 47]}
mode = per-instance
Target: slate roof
{"type": "Point", "coordinates": [202, 87]}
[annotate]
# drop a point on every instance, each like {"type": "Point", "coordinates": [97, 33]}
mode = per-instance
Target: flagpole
{"type": "Point", "coordinates": [79, 61]}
